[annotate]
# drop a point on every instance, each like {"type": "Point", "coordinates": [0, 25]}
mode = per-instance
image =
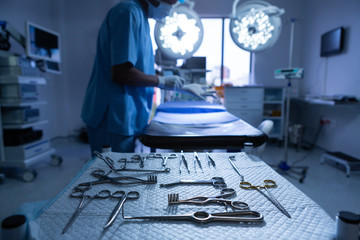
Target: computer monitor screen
{"type": "Point", "coordinates": [42, 43]}
{"type": "Point", "coordinates": [332, 42]}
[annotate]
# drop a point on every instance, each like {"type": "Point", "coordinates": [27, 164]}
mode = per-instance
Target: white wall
{"type": "Point", "coordinates": [78, 22]}
{"type": "Point", "coordinates": [342, 74]}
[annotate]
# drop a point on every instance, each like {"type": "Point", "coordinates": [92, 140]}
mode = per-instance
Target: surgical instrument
{"type": "Point", "coordinates": [107, 160]}
{"type": "Point", "coordinates": [267, 184]}
{"type": "Point", "coordinates": [217, 182]}
{"type": "Point", "coordinates": [122, 196]}
{"type": "Point", "coordinates": [104, 178]}
{"type": "Point", "coordinates": [226, 192]}
{"type": "Point", "coordinates": [166, 170]}
{"type": "Point", "coordinates": [197, 160]}
{"type": "Point", "coordinates": [210, 160]}
{"type": "Point", "coordinates": [170, 156]}
{"type": "Point", "coordinates": [183, 159]}
{"type": "Point", "coordinates": [139, 158]}
{"type": "Point", "coordinates": [147, 157]}
{"type": "Point", "coordinates": [80, 193]}
{"type": "Point", "coordinates": [204, 217]}
{"type": "Point", "coordinates": [236, 169]}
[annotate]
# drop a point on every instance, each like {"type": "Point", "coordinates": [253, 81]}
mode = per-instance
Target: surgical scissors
{"type": "Point", "coordinates": [217, 182]}
{"type": "Point", "coordinates": [80, 193]}
{"type": "Point", "coordinates": [104, 178]}
{"type": "Point", "coordinates": [226, 192]}
{"type": "Point", "coordinates": [122, 196]}
{"type": "Point", "coordinates": [267, 184]}
{"type": "Point", "coordinates": [204, 217]}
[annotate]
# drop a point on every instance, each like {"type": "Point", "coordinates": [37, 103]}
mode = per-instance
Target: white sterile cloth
{"type": "Point", "coordinates": [308, 220]}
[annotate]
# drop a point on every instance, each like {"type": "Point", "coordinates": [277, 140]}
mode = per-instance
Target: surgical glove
{"type": "Point", "coordinates": [171, 82]}
{"type": "Point", "coordinates": [198, 90]}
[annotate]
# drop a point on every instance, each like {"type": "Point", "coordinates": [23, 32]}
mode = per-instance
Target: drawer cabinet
{"type": "Point", "coordinates": [246, 103]}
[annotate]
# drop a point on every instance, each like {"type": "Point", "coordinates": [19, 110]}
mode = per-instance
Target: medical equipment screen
{"type": "Point", "coordinates": [42, 43]}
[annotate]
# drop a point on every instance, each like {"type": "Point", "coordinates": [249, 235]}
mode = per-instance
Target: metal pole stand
{"type": "Point", "coordinates": [283, 167]}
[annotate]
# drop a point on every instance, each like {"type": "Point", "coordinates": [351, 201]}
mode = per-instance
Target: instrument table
{"type": "Point", "coordinates": [308, 220]}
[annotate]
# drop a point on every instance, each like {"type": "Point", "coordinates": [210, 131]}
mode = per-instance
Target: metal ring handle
{"type": "Point", "coordinates": [239, 205]}
{"type": "Point", "coordinates": [270, 183]}
{"type": "Point", "coordinates": [133, 195]}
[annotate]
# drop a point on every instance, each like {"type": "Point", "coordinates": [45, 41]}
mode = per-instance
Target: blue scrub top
{"type": "Point", "coordinates": [124, 36]}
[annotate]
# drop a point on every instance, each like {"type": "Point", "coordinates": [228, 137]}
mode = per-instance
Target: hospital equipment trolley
{"type": "Point", "coordinates": [21, 143]}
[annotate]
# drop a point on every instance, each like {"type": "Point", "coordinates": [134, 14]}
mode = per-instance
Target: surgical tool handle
{"type": "Point", "coordinates": [166, 170]}
{"type": "Point", "coordinates": [186, 182]}
{"type": "Point", "coordinates": [236, 169]}
{"type": "Point", "coordinates": [277, 203]}
{"type": "Point", "coordinates": [204, 200]}
{"type": "Point", "coordinates": [267, 184]}
{"type": "Point", "coordinates": [74, 216]}
{"type": "Point", "coordinates": [115, 212]}
{"type": "Point", "coordinates": [204, 217]}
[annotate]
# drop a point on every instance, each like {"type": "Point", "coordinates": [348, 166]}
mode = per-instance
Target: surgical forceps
{"type": "Point", "coordinates": [236, 169]}
{"type": "Point", "coordinates": [104, 178]}
{"type": "Point", "coordinates": [226, 192]}
{"type": "Point", "coordinates": [107, 160]}
{"type": "Point", "coordinates": [267, 184]}
{"type": "Point", "coordinates": [210, 160]}
{"type": "Point", "coordinates": [217, 182]}
{"type": "Point", "coordinates": [183, 159]}
{"type": "Point", "coordinates": [170, 156]}
{"type": "Point", "coordinates": [143, 159]}
{"type": "Point", "coordinates": [80, 193]}
{"type": "Point", "coordinates": [197, 160]}
{"type": "Point", "coordinates": [122, 196]}
{"type": "Point", "coordinates": [204, 217]}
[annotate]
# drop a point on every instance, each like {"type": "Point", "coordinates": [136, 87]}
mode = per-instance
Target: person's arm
{"type": "Point", "coordinates": [129, 75]}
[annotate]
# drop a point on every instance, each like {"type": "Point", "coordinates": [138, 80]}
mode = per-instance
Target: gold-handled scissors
{"type": "Point", "coordinates": [267, 184]}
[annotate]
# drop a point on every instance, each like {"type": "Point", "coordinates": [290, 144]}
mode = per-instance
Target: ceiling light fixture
{"type": "Point", "coordinates": [255, 25]}
{"type": "Point", "coordinates": [180, 34]}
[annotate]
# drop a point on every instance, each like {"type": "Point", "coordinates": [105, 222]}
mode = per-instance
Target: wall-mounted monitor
{"type": "Point", "coordinates": [332, 42]}
{"type": "Point", "coordinates": [43, 44]}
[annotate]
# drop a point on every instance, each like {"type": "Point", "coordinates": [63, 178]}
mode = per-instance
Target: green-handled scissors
{"type": "Point", "coordinates": [267, 184]}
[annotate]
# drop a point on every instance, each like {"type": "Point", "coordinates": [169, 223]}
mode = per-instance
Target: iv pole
{"type": "Point", "coordinates": [283, 165]}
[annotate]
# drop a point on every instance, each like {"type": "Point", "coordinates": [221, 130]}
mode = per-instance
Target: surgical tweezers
{"type": "Point", "coordinates": [204, 217]}
{"type": "Point", "coordinates": [183, 159]}
{"type": "Point", "coordinates": [197, 160]}
{"type": "Point", "coordinates": [234, 166]}
{"type": "Point", "coordinates": [210, 160]}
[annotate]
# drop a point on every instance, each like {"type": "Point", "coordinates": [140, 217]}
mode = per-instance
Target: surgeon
{"type": "Point", "coordinates": [119, 95]}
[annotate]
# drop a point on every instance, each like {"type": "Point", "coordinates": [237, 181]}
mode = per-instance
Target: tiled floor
{"type": "Point", "coordinates": [326, 184]}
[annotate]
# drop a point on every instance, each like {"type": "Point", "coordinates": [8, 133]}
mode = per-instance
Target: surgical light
{"type": "Point", "coordinates": [255, 25]}
{"type": "Point", "coordinates": [180, 34]}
